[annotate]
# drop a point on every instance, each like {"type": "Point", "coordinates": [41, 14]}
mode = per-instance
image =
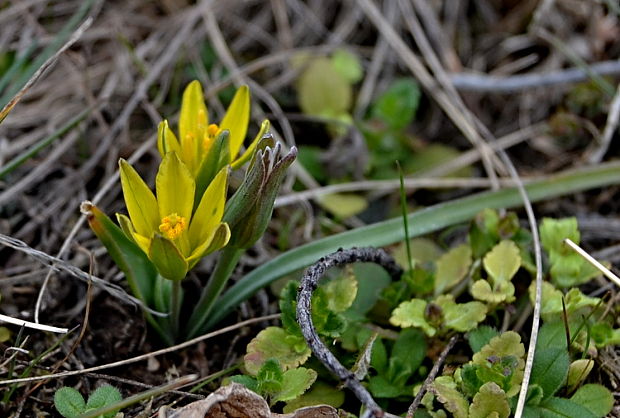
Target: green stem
{"type": "Point", "coordinates": [224, 268]}
{"type": "Point", "coordinates": [175, 307]}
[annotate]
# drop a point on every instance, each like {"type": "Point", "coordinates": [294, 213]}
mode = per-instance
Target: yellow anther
{"type": "Point", "coordinates": [212, 130]}
{"type": "Point", "coordinates": [172, 226]}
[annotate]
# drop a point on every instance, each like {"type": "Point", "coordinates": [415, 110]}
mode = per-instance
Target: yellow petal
{"type": "Point", "coordinates": [175, 188]}
{"type": "Point", "coordinates": [264, 128]}
{"type": "Point", "coordinates": [210, 209]}
{"type": "Point", "coordinates": [237, 118]}
{"type": "Point", "coordinates": [167, 258]}
{"type": "Point", "coordinates": [193, 123]}
{"type": "Point", "coordinates": [140, 201]}
{"type": "Point", "coordinates": [218, 238]}
{"type": "Point", "coordinates": [166, 139]}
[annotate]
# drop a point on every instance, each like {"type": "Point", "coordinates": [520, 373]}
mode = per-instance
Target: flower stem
{"type": "Point", "coordinates": [224, 268]}
{"type": "Point", "coordinates": [175, 307]}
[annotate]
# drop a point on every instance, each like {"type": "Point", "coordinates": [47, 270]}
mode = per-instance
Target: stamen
{"type": "Point", "coordinates": [172, 226]}
{"type": "Point", "coordinates": [212, 130]}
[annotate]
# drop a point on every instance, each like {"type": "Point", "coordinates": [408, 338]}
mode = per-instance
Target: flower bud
{"type": "Point", "coordinates": [249, 210]}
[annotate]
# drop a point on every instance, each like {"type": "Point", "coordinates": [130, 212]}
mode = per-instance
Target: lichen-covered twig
{"type": "Point", "coordinates": [309, 283]}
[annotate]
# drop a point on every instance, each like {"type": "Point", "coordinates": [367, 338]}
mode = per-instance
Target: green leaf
{"type": "Point", "coordinates": [480, 337]}
{"type": "Point", "coordinates": [275, 342]}
{"type": "Point", "coordinates": [341, 291]}
{"type": "Point", "coordinates": [412, 314]}
{"type": "Point", "coordinates": [270, 377]}
{"type": "Point", "coordinates": [410, 349]}
{"type": "Point", "coordinates": [423, 250]}
{"type": "Point", "coordinates": [371, 280]}
{"type": "Point", "coordinates": [397, 106]}
{"type": "Point", "coordinates": [421, 222]}
{"type": "Point", "coordinates": [552, 335]}
{"type": "Point", "coordinates": [381, 387]}
{"type": "Point", "coordinates": [502, 262]}
{"type": "Point", "coordinates": [563, 408]}
{"type": "Point", "coordinates": [104, 396]}
{"type": "Point", "coordinates": [348, 65]}
{"type": "Point", "coordinates": [343, 205]}
{"type": "Point", "coordinates": [550, 369]}
{"type": "Point", "coordinates": [246, 381]}
{"type": "Point", "coordinates": [461, 317]}
{"type": "Point", "coordinates": [595, 398]}
{"type": "Point", "coordinates": [554, 231]}
{"type": "Point", "coordinates": [483, 232]}
{"type": "Point", "coordinates": [320, 394]}
{"type": "Point", "coordinates": [501, 292]}
{"type": "Point", "coordinates": [491, 401]}
{"type": "Point", "coordinates": [452, 267]}
{"type": "Point", "coordinates": [603, 334]}
{"type": "Point", "coordinates": [322, 89]}
{"type": "Point", "coordinates": [446, 392]}
{"type": "Point", "coordinates": [295, 382]}
{"type": "Point", "coordinates": [288, 307]}
{"type": "Point", "coordinates": [68, 402]}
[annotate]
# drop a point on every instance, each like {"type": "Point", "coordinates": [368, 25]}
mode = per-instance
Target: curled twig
{"type": "Point", "coordinates": [309, 283]}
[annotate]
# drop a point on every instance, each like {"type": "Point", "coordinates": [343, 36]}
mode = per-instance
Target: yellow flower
{"type": "Point", "coordinates": [165, 227]}
{"type": "Point", "coordinates": [197, 144]}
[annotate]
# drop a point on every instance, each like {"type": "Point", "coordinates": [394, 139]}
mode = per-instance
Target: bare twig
{"type": "Point", "coordinates": [431, 376]}
{"type": "Point", "coordinates": [309, 283]}
{"type": "Point", "coordinates": [608, 273]}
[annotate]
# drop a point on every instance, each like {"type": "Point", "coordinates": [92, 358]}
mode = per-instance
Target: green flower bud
{"type": "Point", "coordinates": [249, 210]}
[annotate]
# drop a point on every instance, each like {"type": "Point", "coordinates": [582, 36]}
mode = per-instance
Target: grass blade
{"type": "Point", "coordinates": [421, 222]}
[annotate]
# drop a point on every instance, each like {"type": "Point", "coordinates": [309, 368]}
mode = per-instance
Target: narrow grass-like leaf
{"type": "Point", "coordinates": [26, 155]}
{"type": "Point", "coordinates": [421, 222]}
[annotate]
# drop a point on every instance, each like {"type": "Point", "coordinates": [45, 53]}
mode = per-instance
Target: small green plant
{"type": "Point", "coordinates": [70, 403]}
{"type": "Point", "coordinates": [167, 233]}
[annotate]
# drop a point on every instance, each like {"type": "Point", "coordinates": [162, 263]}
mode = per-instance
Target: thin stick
{"type": "Point", "coordinates": [144, 356]}
{"type": "Point", "coordinates": [431, 376]}
{"type": "Point", "coordinates": [613, 117]}
{"type": "Point", "coordinates": [608, 273]}
{"type": "Point", "coordinates": [32, 325]}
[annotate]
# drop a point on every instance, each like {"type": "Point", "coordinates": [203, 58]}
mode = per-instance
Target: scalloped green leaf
{"type": "Point", "coordinates": [445, 389]}
{"type": "Point", "coordinates": [502, 262]}
{"type": "Point", "coordinates": [341, 291]}
{"type": "Point", "coordinates": [270, 378]}
{"type": "Point", "coordinates": [411, 314]}
{"type": "Point", "coordinates": [499, 293]}
{"type": "Point", "coordinates": [461, 317]}
{"type": "Point", "coordinates": [452, 267]}
{"type": "Point", "coordinates": [554, 231]}
{"type": "Point", "coordinates": [275, 342]}
{"type": "Point", "coordinates": [595, 398]}
{"type": "Point", "coordinates": [490, 401]}
{"type": "Point", "coordinates": [294, 383]}
{"type": "Point", "coordinates": [506, 346]}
